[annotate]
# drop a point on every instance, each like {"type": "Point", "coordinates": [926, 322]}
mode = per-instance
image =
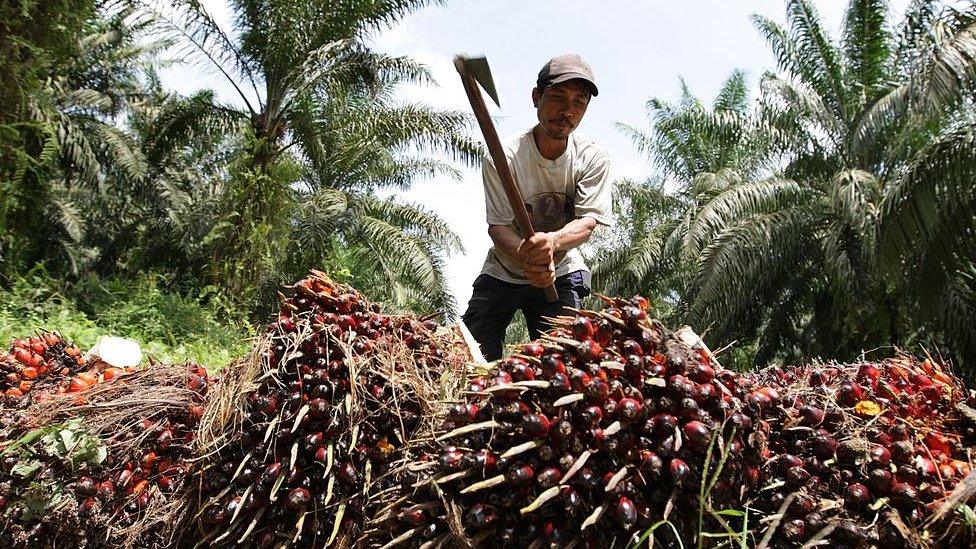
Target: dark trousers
{"type": "Point", "coordinates": [494, 303]}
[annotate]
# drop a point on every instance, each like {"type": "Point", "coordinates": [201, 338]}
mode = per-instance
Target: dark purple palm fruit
{"type": "Point", "coordinates": [857, 496]}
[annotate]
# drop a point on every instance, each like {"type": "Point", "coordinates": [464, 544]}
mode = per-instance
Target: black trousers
{"type": "Point", "coordinates": [494, 303]}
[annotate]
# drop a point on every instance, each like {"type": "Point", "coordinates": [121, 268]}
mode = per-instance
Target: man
{"type": "Point", "coordinates": [563, 179]}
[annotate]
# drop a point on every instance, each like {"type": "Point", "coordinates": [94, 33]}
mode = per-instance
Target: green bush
{"type": "Point", "coordinates": [169, 326]}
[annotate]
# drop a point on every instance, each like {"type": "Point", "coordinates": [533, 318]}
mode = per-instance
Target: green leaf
{"type": "Point", "coordinates": [26, 468]}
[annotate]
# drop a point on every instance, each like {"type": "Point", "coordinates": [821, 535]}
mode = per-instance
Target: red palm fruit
{"type": "Point", "coordinates": [926, 467]}
{"type": "Point", "coordinates": [553, 363]}
{"type": "Point", "coordinates": [857, 495]}
{"type": "Point", "coordinates": [811, 416]}
{"type": "Point", "coordinates": [759, 401]}
{"type": "Point", "coordinates": [801, 506]}
{"type": "Point", "coordinates": [947, 472]}
{"type": "Point", "coordinates": [937, 442]}
{"type": "Point", "coordinates": [78, 384]}
{"type": "Point", "coordinates": [164, 439]}
{"type": "Point", "coordinates": [741, 421]}
{"type": "Point", "coordinates": [898, 432]}
{"type": "Point", "coordinates": [629, 409]}
{"type": "Point", "coordinates": [680, 471]}
{"type": "Point", "coordinates": [696, 434]}
{"type": "Point", "coordinates": [879, 456]}
{"type": "Point", "coordinates": [533, 349]}
{"type": "Point", "coordinates": [868, 373]}
{"type": "Point", "coordinates": [85, 486]}
{"type": "Point", "coordinates": [549, 477]}
{"type": "Point", "coordinates": [105, 490]}
{"type": "Point", "coordinates": [520, 474]}
{"type": "Point", "coordinates": [582, 328]}
{"type": "Point", "coordinates": [589, 350]}
{"type": "Point", "coordinates": [904, 496]}
{"type": "Point", "coordinates": [664, 424]}
{"type": "Point", "coordinates": [299, 499]}
{"type": "Point", "coordinates": [597, 391]}
{"type": "Point", "coordinates": [651, 465]}
{"type": "Point", "coordinates": [535, 425]}
{"type": "Point", "coordinates": [879, 481]}
{"type": "Point", "coordinates": [451, 458]}
{"type": "Point", "coordinates": [165, 482]}
{"type": "Point", "coordinates": [480, 516]}
{"type": "Point", "coordinates": [795, 531]}
{"type": "Point", "coordinates": [902, 451]}
{"type": "Point", "coordinates": [701, 373]}
{"type": "Point", "coordinates": [148, 460]}
{"type": "Point", "coordinates": [797, 476]}
{"type": "Point", "coordinates": [932, 492]}
{"type": "Point", "coordinates": [625, 512]}
{"type": "Point", "coordinates": [849, 393]}
{"type": "Point", "coordinates": [849, 452]}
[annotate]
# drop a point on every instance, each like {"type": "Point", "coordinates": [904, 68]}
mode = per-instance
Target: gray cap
{"type": "Point", "coordinates": [566, 67]}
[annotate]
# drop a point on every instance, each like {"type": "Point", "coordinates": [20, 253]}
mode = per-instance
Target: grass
{"type": "Point", "coordinates": [169, 326]}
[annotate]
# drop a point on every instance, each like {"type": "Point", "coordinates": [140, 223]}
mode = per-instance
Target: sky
{"type": "Point", "coordinates": [638, 49]}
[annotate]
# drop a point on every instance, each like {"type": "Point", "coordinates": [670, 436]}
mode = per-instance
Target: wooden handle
{"type": "Point", "coordinates": [498, 157]}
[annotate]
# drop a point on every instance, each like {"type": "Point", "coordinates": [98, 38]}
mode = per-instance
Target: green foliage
{"type": "Point", "coordinates": [170, 327]}
{"type": "Point", "coordinates": [848, 224]}
{"type": "Point", "coordinates": [321, 134]}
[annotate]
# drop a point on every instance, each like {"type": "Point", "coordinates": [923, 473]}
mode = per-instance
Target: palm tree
{"type": "Point", "coordinates": [873, 212]}
{"type": "Point", "coordinates": [85, 154]}
{"type": "Point", "coordinates": [321, 127]}
{"type": "Point", "coordinates": [698, 153]}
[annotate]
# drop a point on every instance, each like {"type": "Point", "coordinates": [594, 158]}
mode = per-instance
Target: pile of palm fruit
{"type": "Point", "coordinates": [590, 436]}
{"type": "Point", "coordinates": [110, 468]}
{"type": "Point", "coordinates": [861, 453]}
{"type": "Point", "coordinates": [331, 397]}
{"type": "Point", "coordinates": [38, 366]}
{"type": "Point", "coordinates": [346, 426]}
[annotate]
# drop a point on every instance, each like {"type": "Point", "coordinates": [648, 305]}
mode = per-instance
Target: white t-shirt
{"type": "Point", "coordinates": [574, 185]}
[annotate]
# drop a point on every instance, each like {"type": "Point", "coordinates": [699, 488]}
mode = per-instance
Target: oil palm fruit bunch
{"type": "Point", "coordinates": [41, 365]}
{"type": "Point", "coordinates": [605, 426]}
{"type": "Point", "coordinates": [337, 389]}
{"type": "Point", "coordinates": [860, 453]}
{"type": "Point", "coordinates": [104, 473]}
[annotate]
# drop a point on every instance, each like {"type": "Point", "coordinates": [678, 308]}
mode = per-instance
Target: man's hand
{"type": "Point", "coordinates": [536, 255]}
{"type": "Point", "coordinates": [540, 276]}
{"type": "Point", "coordinates": [538, 249]}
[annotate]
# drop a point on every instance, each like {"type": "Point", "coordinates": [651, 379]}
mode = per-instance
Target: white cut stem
{"type": "Point", "coordinates": [520, 448]}
{"type": "Point", "coordinates": [541, 500]}
{"type": "Point", "coordinates": [485, 484]}
{"type": "Point", "coordinates": [577, 465]}
{"type": "Point", "coordinates": [490, 424]}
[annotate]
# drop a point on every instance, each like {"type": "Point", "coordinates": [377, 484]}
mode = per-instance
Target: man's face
{"type": "Point", "coordinates": [561, 107]}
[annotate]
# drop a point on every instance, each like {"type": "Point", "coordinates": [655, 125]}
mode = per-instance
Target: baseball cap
{"type": "Point", "coordinates": [566, 67]}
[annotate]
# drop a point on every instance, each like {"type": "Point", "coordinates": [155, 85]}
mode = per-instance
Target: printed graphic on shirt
{"type": "Point", "coordinates": [549, 211]}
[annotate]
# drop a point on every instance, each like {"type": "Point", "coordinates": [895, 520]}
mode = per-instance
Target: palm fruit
{"type": "Point", "coordinates": [108, 473]}
{"type": "Point", "coordinates": [884, 440]}
{"type": "Point", "coordinates": [338, 389]}
{"type": "Point", "coordinates": [588, 436]}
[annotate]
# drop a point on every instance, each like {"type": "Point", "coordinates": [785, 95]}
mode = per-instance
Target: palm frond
{"type": "Point", "coordinates": [124, 150]}
{"type": "Point", "coordinates": [740, 202]}
{"type": "Point", "coordinates": [818, 56]}
{"type": "Point", "coordinates": [945, 75]}
{"type": "Point", "coordinates": [741, 267]}
{"type": "Point", "coordinates": [733, 96]}
{"type": "Point", "coordinates": [866, 43]}
{"type": "Point", "coordinates": [187, 23]}
{"type": "Point", "coordinates": [932, 207]}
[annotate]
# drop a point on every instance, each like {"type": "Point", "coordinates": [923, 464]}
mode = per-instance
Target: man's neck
{"type": "Point", "coordinates": [548, 147]}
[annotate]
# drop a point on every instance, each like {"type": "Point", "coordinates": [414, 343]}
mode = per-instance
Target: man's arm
{"type": "Point", "coordinates": [541, 248]}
